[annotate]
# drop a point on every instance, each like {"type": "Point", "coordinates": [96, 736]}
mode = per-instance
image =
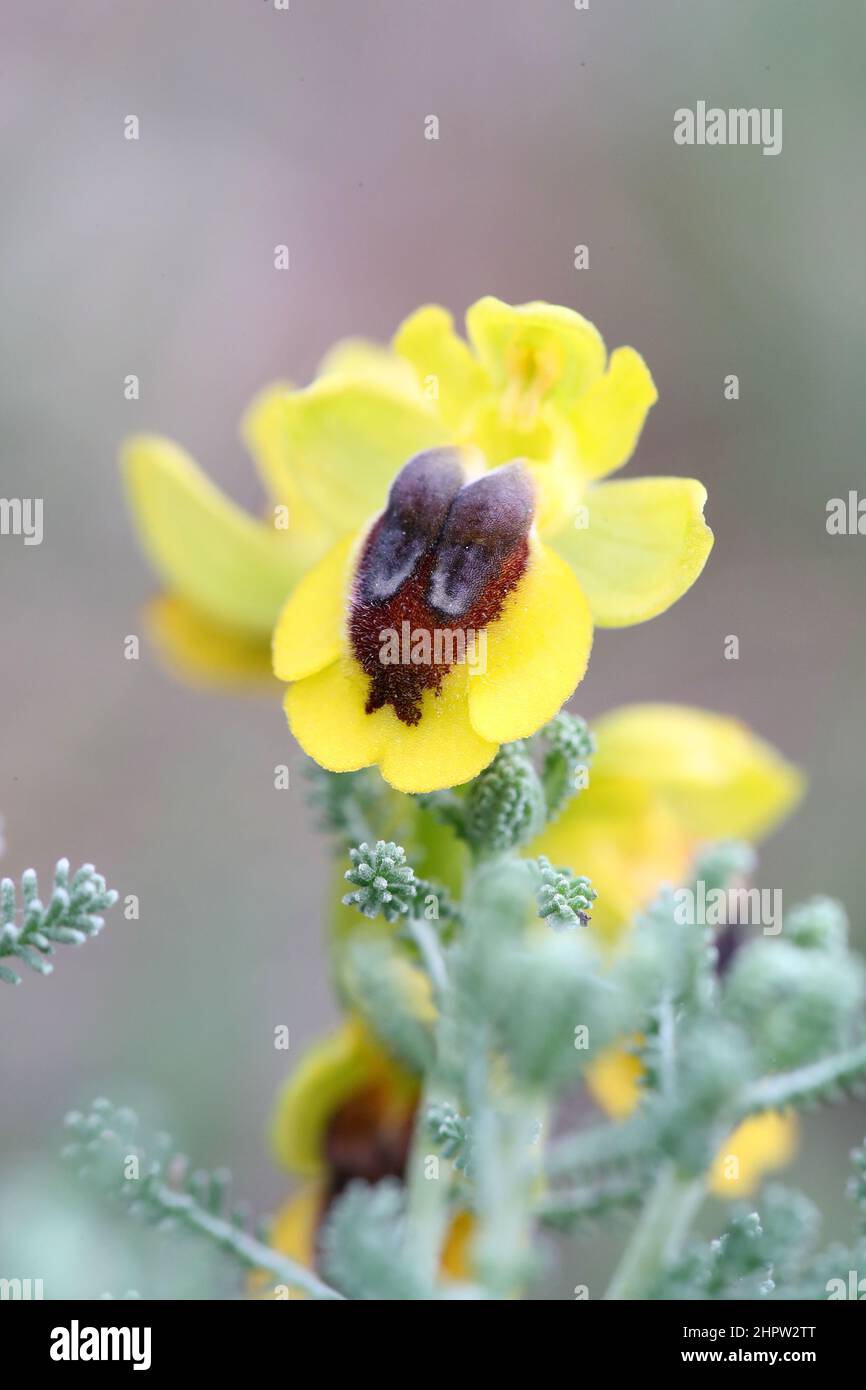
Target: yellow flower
{"type": "Point", "coordinates": [346, 1113]}
{"type": "Point", "coordinates": [532, 383]}
{"type": "Point", "coordinates": [345, 1082]}
{"type": "Point", "coordinates": [665, 778]}
{"type": "Point", "coordinates": [472, 546]}
{"type": "Point", "coordinates": [757, 1146]}
{"type": "Point", "coordinates": [614, 1079]}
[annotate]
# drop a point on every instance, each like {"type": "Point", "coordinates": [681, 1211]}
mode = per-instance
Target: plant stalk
{"type": "Point", "coordinates": [659, 1234]}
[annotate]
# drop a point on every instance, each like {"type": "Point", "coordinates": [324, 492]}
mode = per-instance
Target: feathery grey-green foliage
{"type": "Point", "coordinates": [385, 883]}
{"type": "Point", "coordinates": [564, 899]}
{"type": "Point", "coordinates": [30, 931]}
{"type": "Point", "coordinates": [568, 748]}
{"type": "Point", "coordinates": [365, 1247]}
{"type": "Point", "coordinates": [497, 1005]}
{"type": "Point", "coordinates": [155, 1184]}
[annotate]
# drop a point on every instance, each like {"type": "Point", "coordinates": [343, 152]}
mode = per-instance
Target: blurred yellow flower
{"type": "Point", "coordinates": [347, 1112]}
{"type": "Point", "coordinates": [225, 574]}
{"type": "Point", "coordinates": [759, 1145]}
{"type": "Point", "coordinates": [348, 1068]}
{"type": "Point", "coordinates": [664, 779]}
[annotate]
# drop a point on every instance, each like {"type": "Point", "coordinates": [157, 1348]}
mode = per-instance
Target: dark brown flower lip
{"type": "Point", "coordinates": [418, 504]}
{"type": "Point", "coordinates": [442, 558]}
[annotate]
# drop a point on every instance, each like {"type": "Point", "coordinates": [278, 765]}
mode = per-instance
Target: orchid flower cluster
{"type": "Point", "coordinates": [505, 927]}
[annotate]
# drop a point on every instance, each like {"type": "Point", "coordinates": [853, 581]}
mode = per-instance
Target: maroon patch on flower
{"type": "Point", "coordinates": [367, 1139]}
{"type": "Point", "coordinates": [435, 571]}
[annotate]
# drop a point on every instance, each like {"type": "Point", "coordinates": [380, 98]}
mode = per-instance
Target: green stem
{"type": "Point", "coordinates": [427, 1207]}
{"type": "Point", "coordinates": [816, 1081]}
{"type": "Point", "coordinates": [504, 1172]}
{"type": "Point", "coordinates": [251, 1253]}
{"type": "Point", "coordinates": [427, 940]}
{"type": "Point", "coordinates": [504, 1188]}
{"type": "Point", "coordinates": [601, 1146]}
{"type": "Point", "coordinates": [568, 1207]}
{"type": "Point", "coordinates": [659, 1234]}
{"type": "Point", "coordinates": [505, 1161]}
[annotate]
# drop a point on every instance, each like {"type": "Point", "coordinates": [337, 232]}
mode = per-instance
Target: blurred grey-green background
{"type": "Point", "coordinates": [155, 257]}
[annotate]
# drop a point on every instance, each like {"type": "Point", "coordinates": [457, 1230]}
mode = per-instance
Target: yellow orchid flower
{"type": "Point", "coordinates": [346, 1073]}
{"type": "Point", "coordinates": [758, 1145]}
{"type": "Point", "coordinates": [347, 1112]}
{"type": "Point", "coordinates": [532, 383]}
{"type": "Point", "coordinates": [423, 642]}
{"type": "Point", "coordinates": [494, 534]}
{"type": "Point", "coordinates": [664, 779]}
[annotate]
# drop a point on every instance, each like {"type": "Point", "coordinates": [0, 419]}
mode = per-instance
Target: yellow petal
{"type": "Point", "coordinates": [443, 362]}
{"type": "Point", "coordinates": [350, 438]}
{"type": "Point", "coordinates": [202, 652]}
{"type": "Point", "coordinates": [609, 417]}
{"type": "Point", "coordinates": [360, 359]}
{"type": "Point", "coordinates": [548, 448]}
{"type": "Point", "coordinates": [645, 544]}
{"type": "Point", "coordinates": [715, 775]}
{"type": "Point", "coordinates": [265, 433]}
{"type": "Point", "coordinates": [456, 1259]}
{"type": "Point", "coordinates": [293, 1232]}
{"type": "Point", "coordinates": [613, 1081]}
{"type": "Point", "coordinates": [413, 989]}
{"type": "Point", "coordinates": [757, 1146]}
{"type": "Point", "coordinates": [332, 1070]}
{"type": "Point", "coordinates": [541, 351]}
{"type": "Point", "coordinates": [235, 570]}
{"type": "Point", "coordinates": [664, 777]}
{"type": "Point", "coordinates": [309, 631]}
{"type": "Point", "coordinates": [443, 749]}
{"type": "Point", "coordinates": [326, 715]}
{"type": "Point", "coordinates": [537, 652]}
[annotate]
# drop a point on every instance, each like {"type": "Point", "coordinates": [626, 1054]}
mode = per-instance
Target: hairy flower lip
{"type": "Point", "coordinates": [535, 657]}
{"type": "Point", "coordinates": [486, 522]}
{"type": "Point", "coordinates": [400, 685]}
{"type": "Point", "coordinates": [438, 551]}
